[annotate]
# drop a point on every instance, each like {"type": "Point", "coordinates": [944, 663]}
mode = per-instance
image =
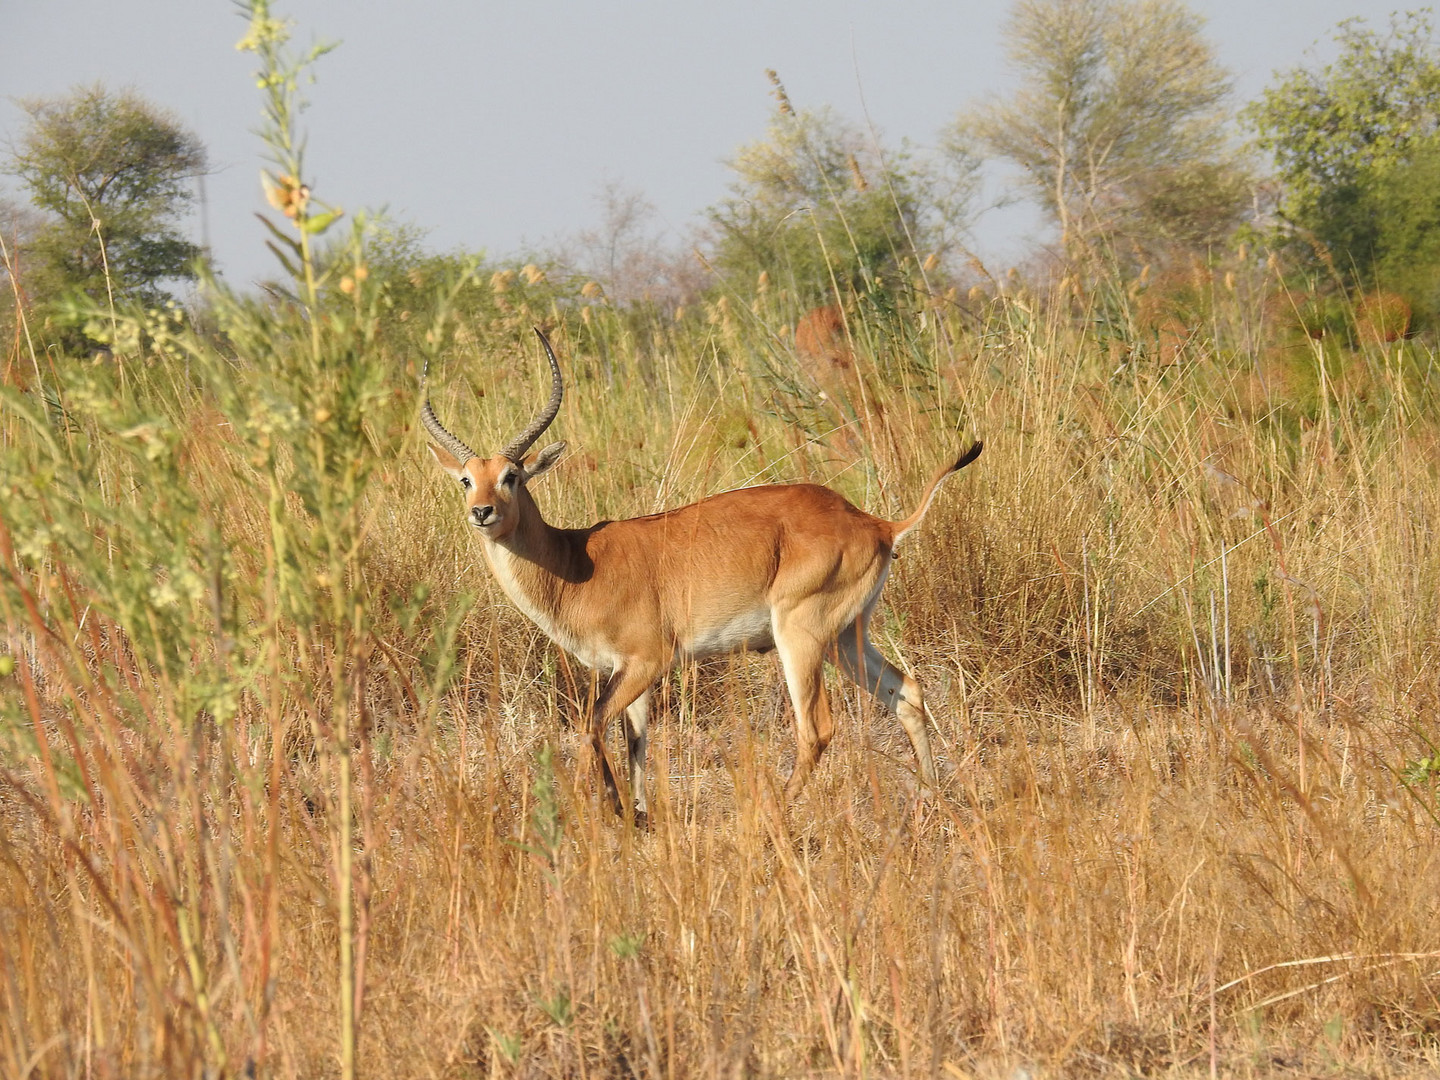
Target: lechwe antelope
{"type": "Point", "coordinates": [793, 567]}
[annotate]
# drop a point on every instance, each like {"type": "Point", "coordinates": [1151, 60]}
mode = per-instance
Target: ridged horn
{"type": "Point", "coordinates": [518, 445]}
{"type": "Point", "coordinates": [448, 442]}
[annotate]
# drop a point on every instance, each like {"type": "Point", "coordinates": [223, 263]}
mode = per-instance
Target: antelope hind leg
{"type": "Point", "coordinates": [898, 692]}
{"type": "Point", "coordinates": [802, 658]}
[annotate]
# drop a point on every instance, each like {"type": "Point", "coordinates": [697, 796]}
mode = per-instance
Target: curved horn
{"type": "Point", "coordinates": [448, 442]}
{"type": "Point", "coordinates": [518, 445]}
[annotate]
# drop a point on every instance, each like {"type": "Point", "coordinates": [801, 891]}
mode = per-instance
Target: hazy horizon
{"type": "Point", "coordinates": [496, 130]}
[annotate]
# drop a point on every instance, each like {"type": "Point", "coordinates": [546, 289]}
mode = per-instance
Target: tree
{"type": "Point", "coordinates": [1405, 201]}
{"type": "Point", "coordinates": [815, 204]}
{"type": "Point", "coordinates": [18, 225]}
{"type": "Point", "coordinates": [1356, 144]}
{"type": "Point", "coordinates": [631, 256]}
{"type": "Point", "coordinates": [1119, 123]}
{"type": "Point", "coordinates": [112, 173]}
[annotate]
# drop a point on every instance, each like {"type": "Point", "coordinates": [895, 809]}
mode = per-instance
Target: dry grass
{"type": "Point", "coordinates": [1181, 664]}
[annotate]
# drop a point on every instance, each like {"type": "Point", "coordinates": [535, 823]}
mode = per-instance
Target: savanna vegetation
{"type": "Point", "coordinates": [288, 789]}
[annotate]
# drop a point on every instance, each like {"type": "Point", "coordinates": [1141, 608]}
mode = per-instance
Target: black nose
{"type": "Point", "coordinates": [481, 515]}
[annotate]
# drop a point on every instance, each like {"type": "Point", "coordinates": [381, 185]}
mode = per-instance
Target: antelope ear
{"type": "Point", "coordinates": [544, 460]}
{"type": "Point", "coordinates": [447, 460]}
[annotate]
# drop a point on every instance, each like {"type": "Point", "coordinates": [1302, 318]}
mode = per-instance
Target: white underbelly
{"type": "Point", "coordinates": [750, 630]}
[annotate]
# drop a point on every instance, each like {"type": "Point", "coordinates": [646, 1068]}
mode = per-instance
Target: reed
{"type": "Point", "coordinates": [287, 789]}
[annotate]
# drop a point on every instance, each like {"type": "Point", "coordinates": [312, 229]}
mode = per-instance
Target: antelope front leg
{"type": "Point", "coordinates": [637, 723]}
{"type": "Point", "coordinates": [623, 689]}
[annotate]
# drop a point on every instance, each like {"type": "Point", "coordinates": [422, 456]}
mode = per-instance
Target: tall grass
{"type": "Point", "coordinates": [286, 787]}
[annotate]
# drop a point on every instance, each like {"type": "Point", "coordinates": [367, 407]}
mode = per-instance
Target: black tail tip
{"type": "Point", "coordinates": [969, 456]}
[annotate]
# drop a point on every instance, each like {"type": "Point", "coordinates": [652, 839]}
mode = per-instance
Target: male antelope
{"type": "Point", "coordinates": [823, 348]}
{"type": "Point", "coordinates": [793, 567]}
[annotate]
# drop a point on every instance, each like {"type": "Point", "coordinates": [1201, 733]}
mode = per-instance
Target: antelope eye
{"type": "Point", "coordinates": [507, 478]}
{"type": "Point", "coordinates": [465, 483]}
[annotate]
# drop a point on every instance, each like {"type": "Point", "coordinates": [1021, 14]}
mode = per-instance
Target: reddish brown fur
{"type": "Point", "coordinates": [823, 351]}
{"type": "Point", "coordinates": [1382, 317]}
{"type": "Point", "coordinates": [823, 348]}
{"type": "Point", "coordinates": [791, 567]}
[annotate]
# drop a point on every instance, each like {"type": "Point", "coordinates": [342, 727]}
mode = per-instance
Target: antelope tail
{"type": "Point", "coordinates": [903, 527]}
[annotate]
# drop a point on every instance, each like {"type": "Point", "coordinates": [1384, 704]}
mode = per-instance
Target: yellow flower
{"type": "Point", "coordinates": [263, 31]}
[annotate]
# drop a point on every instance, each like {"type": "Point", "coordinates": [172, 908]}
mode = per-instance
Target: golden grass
{"type": "Point", "coordinates": [1178, 638]}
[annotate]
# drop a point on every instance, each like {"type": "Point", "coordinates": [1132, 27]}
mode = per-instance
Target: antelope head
{"type": "Point", "coordinates": [495, 496]}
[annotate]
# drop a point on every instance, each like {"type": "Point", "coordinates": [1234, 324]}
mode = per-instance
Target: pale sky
{"type": "Point", "coordinates": [494, 126]}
